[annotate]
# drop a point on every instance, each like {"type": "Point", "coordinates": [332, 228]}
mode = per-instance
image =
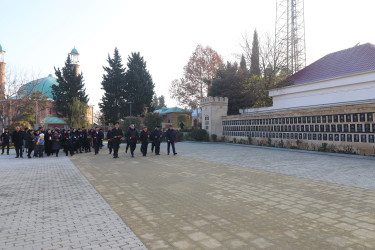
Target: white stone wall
{"type": "Point", "coordinates": [345, 89]}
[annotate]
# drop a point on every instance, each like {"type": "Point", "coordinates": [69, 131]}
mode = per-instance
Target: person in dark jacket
{"type": "Point", "coordinates": [30, 137]}
{"type": "Point", "coordinates": [110, 141]}
{"type": "Point", "coordinates": [132, 136]}
{"type": "Point", "coordinates": [144, 136]}
{"type": "Point", "coordinates": [116, 134]}
{"type": "Point", "coordinates": [5, 140]}
{"type": "Point", "coordinates": [48, 142]}
{"type": "Point", "coordinates": [171, 138]}
{"type": "Point", "coordinates": [17, 140]}
{"type": "Point", "coordinates": [156, 139]}
{"type": "Point", "coordinates": [97, 138]}
{"type": "Point", "coordinates": [56, 143]}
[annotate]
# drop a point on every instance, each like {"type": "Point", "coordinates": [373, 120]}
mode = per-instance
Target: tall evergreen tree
{"type": "Point", "coordinates": [230, 82]}
{"type": "Point", "coordinates": [70, 86]}
{"type": "Point", "coordinates": [113, 104]}
{"type": "Point", "coordinates": [140, 87]}
{"type": "Point", "coordinates": [254, 67]}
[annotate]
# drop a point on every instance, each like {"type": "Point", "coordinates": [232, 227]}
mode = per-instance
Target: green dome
{"type": "Point", "coordinates": [74, 51]}
{"type": "Point", "coordinates": [43, 85]}
{"type": "Point", "coordinates": [1, 48]}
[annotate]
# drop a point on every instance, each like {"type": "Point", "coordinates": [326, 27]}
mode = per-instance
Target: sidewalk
{"type": "Point", "coordinates": [48, 204]}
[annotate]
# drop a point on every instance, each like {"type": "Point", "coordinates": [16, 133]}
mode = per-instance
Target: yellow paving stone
{"type": "Point", "coordinates": [210, 243]}
{"type": "Point", "coordinates": [186, 203]}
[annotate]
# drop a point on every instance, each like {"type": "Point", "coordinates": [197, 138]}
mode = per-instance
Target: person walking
{"type": "Point", "coordinates": [110, 140]}
{"type": "Point", "coordinates": [30, 142]}
{"type": "Point", "coordinates": [5, 141]}
{"type": "Point", "coordinates": [17, 140]}
{"type": "Point", "coordinates": [56, 143]}
{"type": "Point", "coordinates": [132, 136]}
{"type": "Point", "coordinates": [116, 134]}
{"type": "Point", "coordinates": [144, 136]}
{"type": "Point", "coordinates": [41, 144]}
{"type": "Point", "coordinates": [171, 138]}
{"type": "Point", "coordinates": [97, 139]}
{"type": "Point", "coordinates": [156, 139]}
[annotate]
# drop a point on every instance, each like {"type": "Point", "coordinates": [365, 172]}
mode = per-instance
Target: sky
{"type": "Point", "coordinates": [38, 35]}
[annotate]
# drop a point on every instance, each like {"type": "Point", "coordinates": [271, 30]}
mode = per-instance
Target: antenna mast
{"type": "Point", "coordinates": [290, 34]}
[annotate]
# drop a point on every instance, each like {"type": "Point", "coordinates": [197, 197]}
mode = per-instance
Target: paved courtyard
{"type": "Point", "coordinates": [217, 196]}
{"type": "Point", "coordinates": [48, 204]}
{"type": "Point", "coordinates": [209, 196]}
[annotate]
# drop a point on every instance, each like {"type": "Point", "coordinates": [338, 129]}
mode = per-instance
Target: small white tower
{"type": "Point", "coordinates": [74, 58]}
{"type": "Point", "coordinates": [213, 110]}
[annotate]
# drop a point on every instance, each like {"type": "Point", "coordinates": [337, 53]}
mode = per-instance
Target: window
{"type": "Point", "coordinates": [355, 117]}
{"type": "Point", "coordinates": [342, 118]}
{"type": "Point", "coordinates": [349, 118]}
{"type": "Point", "coordinates": [349, 138]}
{"type": "Point", "coordinates": [362, 117]}
{"type": "Point", "coordinates": [369, 117]}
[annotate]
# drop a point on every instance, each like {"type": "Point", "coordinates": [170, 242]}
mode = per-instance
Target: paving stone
{"type": "Point", "coordinates": [243, 198]}
{"type": "Point", "coordinates": [47, 203]}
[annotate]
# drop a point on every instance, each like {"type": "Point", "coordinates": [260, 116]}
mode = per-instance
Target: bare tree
{"type": "Point", "coordinates": [18, 99]}
{"type": "Point", "coordinates": [198, 75]}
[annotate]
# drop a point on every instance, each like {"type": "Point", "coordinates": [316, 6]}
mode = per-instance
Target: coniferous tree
{"type": "Point", "coordinates": [113, 104]}
{"type": "Point", "coordinates": [254, 67]}
{"type": "Point", "coordinates": [161, 102]}
{"type": "Point", "coordinates": [70, 86]}
{"type": "Point", "coordinates": [230, 82]}
{"type": "Point", "coordinates": [140, 87]}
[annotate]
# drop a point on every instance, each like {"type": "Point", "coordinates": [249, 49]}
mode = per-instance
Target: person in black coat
{"type": "Point", "coordinates": [171, 138]}
{"type": "Point", "coordinates": [48, 142]}
{"type": "Point", "coordinates": [110, 141]}
{"type": "Point", "coordinates": [97, 139]}
{"type": "Point", "coordinates": [17, 140]}
{"type": "Point", "coordinates": [116, 134]}
{"type": "Point", "coordinates": [132, 136]}
{"type": "Point", "coordinates": [30, 137]}
{"type": "Point", "coordinates": [156, 139]}
{"type": "Point", "coordinates": [5, 141]}
{"type": "Point", "coordinates": [144, 136]}
{"type": "Point", "coordinates": [56, 143]}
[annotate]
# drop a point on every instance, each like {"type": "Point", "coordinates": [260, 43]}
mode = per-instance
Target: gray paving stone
{"type": "Point", "coordinates": [48, 203]}
{"type": "Point", "coordinates": [356, 172]}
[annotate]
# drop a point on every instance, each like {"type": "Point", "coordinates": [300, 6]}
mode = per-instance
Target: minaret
{"type": "Point", "coordinates": [2, 74]}
{"type": "Point", "coordinates": [74, 57]}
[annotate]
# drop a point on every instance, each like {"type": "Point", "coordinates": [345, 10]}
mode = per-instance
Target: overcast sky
{"type": "Point", "coordinates": [38, 35]}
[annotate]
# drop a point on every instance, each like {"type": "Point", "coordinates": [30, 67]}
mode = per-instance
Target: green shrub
{"type": "Point", "coordinates": [323, 148]}
{"type": "Point", "coordinates": [199, 135]}
{"type": "Point", "coordinates": [281, 144]}
{"type": "Point", "coordinates": [269, 142]}
{"type": "Point", "coordinates": [249, 140]}
{"type": "Point", "coordinates": [234, 140]}
{"type": "Point", "coordinates": [180, 136]}
{"type": "Point", "coordinates": [214, 137]}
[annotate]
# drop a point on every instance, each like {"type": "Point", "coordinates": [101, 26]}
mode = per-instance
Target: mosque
{"type": "Point", "coordinates": [328, 104]}
{"type": "Point", "coordinates": [45, 117]}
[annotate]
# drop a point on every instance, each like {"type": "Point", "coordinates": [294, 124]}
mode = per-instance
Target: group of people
{"type": "Point", "coordinates": [115, 134]}
{"type": "Point", "coordinates": [48, 142]}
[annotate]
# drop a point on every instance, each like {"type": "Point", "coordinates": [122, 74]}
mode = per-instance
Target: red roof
{"type": "Point", "coordinates": [358, 59]}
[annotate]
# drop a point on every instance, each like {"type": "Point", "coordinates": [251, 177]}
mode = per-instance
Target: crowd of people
{"type": "Point", "coordinates": [47, 142]}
